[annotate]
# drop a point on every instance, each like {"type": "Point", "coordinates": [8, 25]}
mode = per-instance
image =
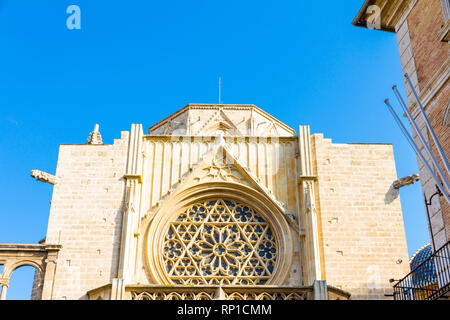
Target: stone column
{"type": "Point", "coordinates": [320, 290]}
{"type": "Point", "coordinates": [4, 283]}
{"type": "Point", "coordinates": [307, 182]}
{"type": "Point", "coordinates": [49, 271]}
{"type": "Point", "coordinates": [131, 211]}
{"type": "Point", "coordinates": [50, 268]}
{"type": "Point", "coordinates": [312, 233]}
{"type": "Point", "coordinates": [129, 222]}
{"type": "Point", "coordinates": [118, 289]}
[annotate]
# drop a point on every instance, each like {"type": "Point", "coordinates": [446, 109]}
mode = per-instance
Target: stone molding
{"type": "Point", "coordinates": [157, 292]}
{"type": "Point", "coordinates": [156, 230]}
{"type": "Point", "coordinates": [392, 13]}
{"type": "Point", "coordinates": [189, 120]}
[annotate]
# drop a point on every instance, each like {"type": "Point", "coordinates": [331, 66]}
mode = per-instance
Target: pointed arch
{"type": "Point", "coordinates": [156, 230]}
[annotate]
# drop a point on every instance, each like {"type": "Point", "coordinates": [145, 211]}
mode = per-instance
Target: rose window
{"type": "Point", "coordinates": [219, 242]}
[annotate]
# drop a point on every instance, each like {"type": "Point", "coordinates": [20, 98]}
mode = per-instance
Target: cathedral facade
{"type": "Point", "coordinates": [218, 202]}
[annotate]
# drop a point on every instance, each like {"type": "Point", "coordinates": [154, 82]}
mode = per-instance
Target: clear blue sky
{"type": "Point", "coordinates": [139, 61]}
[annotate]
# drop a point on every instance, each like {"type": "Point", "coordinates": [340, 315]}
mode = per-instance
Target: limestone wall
{"type": "Point", "coordinates": [170, 160]}
{"type": "Point", "coordinates": [362, 240]}
{"type": "Point", "coordinates": [85, 216]}
{"type": "Point", "coordinates": [167, 160]}
{"type": "Point", "coordinates": [362, 236]}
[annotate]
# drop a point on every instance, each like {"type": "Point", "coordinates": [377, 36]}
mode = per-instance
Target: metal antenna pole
{"type": "Point", "coordinates": [220, 87]}
{"type": "Point", "coordinates": [430, 128]}
{"type": "Point", "coordinates": [422, 139]}
{"type": "Point", "coordinates": [419, 153]}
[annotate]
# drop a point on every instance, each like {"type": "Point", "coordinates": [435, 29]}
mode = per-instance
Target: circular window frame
{"type": "Point", "coordinates": [156, 230]}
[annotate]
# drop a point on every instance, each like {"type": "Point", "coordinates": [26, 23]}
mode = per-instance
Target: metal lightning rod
{"type": "Point", "coordinates": [220, 87]}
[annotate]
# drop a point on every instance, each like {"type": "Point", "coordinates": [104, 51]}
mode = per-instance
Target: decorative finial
{"type": "Point", "coordinates": [95, 137]}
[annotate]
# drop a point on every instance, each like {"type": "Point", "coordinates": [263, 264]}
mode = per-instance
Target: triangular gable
{"type": "Point", "coordinates": [232, 119]}
{"type": "Point", "coordinates": [219, 121]}
{"type": "Point", "coordinates": [220, 164]}
{"type": "Point", "coordinates": [176, 123]}
{"type": "Point", "coordinates": [271, 130]}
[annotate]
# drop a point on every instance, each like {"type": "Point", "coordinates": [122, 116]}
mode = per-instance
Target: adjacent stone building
{"type": "Point", "coordinates": [423, 31]}
{"type": "Point", "coordinates": [218, 202]}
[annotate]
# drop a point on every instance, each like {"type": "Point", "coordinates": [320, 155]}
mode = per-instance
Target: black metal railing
{"type": "Point", "coordinates": [430, 280]}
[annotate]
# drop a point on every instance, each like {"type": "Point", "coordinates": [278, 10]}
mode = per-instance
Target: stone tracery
{"type": "Point", "coordinates": [219, 241]}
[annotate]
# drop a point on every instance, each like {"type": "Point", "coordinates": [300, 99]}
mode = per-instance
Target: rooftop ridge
{"type": "Point", "coordinates": [209, 106]}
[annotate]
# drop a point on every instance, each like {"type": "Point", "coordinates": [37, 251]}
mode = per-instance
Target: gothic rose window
{"type": "Point", "coordinates": [219, 241]}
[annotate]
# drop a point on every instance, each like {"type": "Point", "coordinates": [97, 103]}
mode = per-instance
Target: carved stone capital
{"type": "Point", "coordinates": [4, 282]}
{"type": "Point", "coordinates": [307, 178]}
{"type": "Point", "coordinates": [50, 260]}
{"type": "Point", "coordinates": [133, 177]}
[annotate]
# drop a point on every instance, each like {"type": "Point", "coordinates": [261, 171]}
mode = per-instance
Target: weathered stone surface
{"type": "Point", "coordinates": [285, 210]}
{"type": "Point", "coordinates": [362, 235]}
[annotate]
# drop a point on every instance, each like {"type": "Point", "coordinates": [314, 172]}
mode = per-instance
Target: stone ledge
{"type": "Point", "coordinates": [29, 247]}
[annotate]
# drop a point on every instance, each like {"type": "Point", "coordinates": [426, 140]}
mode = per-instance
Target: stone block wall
{"type": "Point", "coordinates": [85, 216]}
{"type": "Point", "coordinates": [363, 238]}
